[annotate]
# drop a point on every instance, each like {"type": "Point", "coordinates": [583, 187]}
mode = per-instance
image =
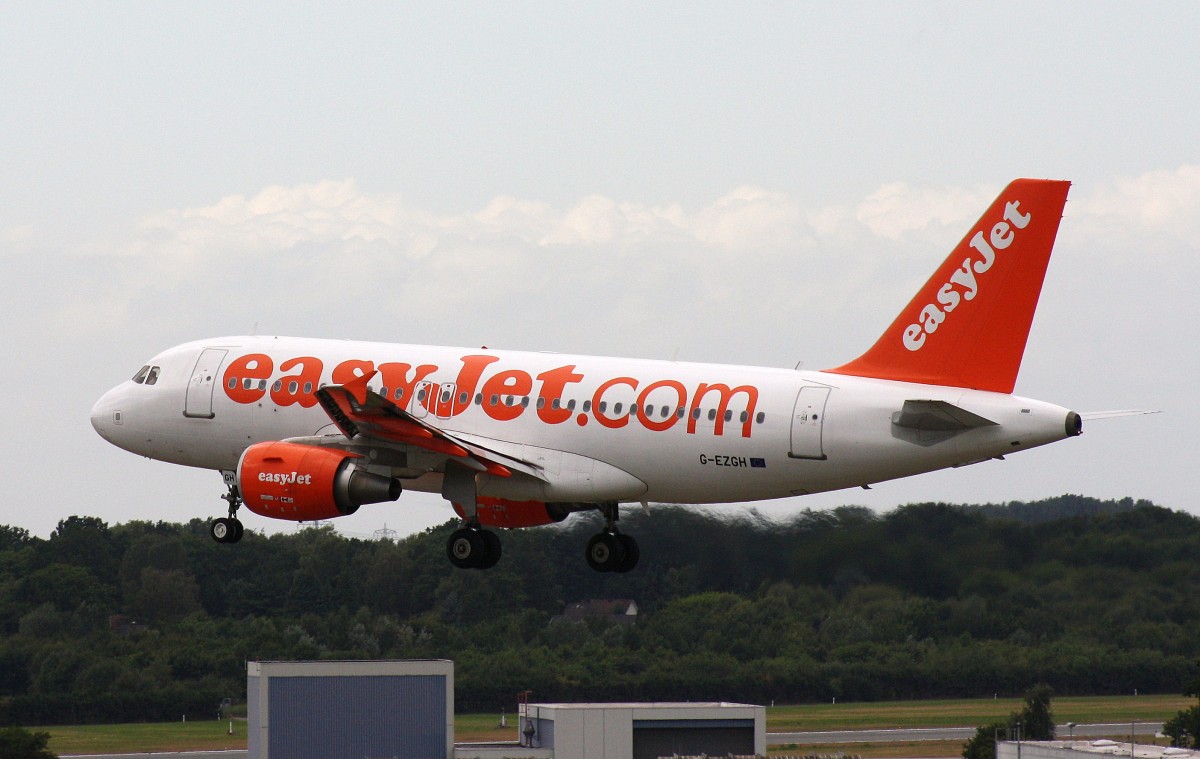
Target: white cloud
{"type": "Point", "coordinates": [330, 247]}
{"type": "Point", "coordinates": [897, 209]}
{"type": "Point", "coordinates": [1159, 202]}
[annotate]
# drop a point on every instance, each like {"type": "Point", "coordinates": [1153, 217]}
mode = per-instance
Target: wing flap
{"type": "Point", "coordinates": [359, 412]}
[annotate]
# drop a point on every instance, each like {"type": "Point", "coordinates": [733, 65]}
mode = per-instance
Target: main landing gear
{"type": "Point", "coordinates": [472, 547]}
{"type": "Point", "coordinates": [228, 529]}
{"type": "Point", "coordinates": [610, 551]}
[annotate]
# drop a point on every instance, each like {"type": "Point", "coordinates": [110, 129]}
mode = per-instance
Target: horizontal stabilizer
{"type": "Point", "coordinates": [1089, 416]}
{"type": "Point", "coordinates": [939, 416]}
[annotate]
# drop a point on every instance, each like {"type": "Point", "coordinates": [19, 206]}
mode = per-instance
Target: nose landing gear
{"type": "Point", "coordinates": [228, 529]}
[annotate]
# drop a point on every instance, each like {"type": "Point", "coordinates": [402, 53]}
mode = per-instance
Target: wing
{"type": "Point", "coordinates": [362, 414]}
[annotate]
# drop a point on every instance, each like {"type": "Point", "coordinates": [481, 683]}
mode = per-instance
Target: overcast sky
{"type": "Point", "coordinates": [758, 183]}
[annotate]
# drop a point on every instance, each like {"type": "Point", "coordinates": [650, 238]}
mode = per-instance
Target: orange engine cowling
{"type": "Point", "coordinates": [501, 512]}
{"type": "Point", "coordinates": [305, 483]}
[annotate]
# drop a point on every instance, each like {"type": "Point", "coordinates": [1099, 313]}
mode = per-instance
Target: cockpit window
{"type": "Point", "coordinates": [140, 377]}
{"type": "Point", "coordinates": [152, 375]}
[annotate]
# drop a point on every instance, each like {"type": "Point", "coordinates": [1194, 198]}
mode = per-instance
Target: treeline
{"type": "Point", "coordinates": [152, 621]}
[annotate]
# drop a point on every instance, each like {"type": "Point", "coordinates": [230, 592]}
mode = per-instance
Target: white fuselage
{"type": "Point", "coordinates": [602, 429]}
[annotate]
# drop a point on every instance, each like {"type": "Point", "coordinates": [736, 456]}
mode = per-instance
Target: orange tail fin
{"type": "Point", "coordinates": [968, 325]}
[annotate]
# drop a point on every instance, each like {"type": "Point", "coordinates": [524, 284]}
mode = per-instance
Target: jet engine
{"type": "Point", "coordinates": [306, 483]}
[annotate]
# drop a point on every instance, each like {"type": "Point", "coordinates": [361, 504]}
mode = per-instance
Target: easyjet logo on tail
{"type": "Point", "coordinates": [964, 282]}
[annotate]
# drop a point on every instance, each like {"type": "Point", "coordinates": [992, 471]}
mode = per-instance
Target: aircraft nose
{"type": "Point", "coordinates": [107, 414]}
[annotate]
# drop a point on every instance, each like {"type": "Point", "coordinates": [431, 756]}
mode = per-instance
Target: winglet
{"type": "Point", "coordinates": [968, 325]}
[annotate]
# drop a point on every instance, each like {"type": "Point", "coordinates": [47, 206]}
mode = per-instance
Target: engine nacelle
{"type": "Point", "coordinates": [306, 483]}
{"type": "Point", "coordinates": [506, 514]}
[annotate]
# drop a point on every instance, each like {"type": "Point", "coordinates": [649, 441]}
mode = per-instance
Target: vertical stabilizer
{"type": "Point", "coordinates": [967, 326]}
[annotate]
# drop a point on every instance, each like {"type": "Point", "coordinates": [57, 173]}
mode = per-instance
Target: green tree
{"type": "Point", "coordinates": [1184, 727]}
{"type": "Point", "coordinates": [1035, 722]}
{"type": "Point", "coordinates": [19, 743]}
{"type": "Point", "coordinates": [982, 745]}
{"type": "Point", "coordinates": [1036, 719]}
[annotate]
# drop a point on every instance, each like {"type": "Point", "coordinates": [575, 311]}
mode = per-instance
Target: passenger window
{"type": "Point", "coordinates": [248, 383]}
{"type": "Point", "coordinates": [462, 397]}
{"type": "Point", "coordinates": [277, 386]}
{"type": "Point", "coordinates": [232, 382]}
{"type": "Point", "coordinates": [728, 415]}
{"type": "Point", "coordinates": [603, 406]}
{"type": "Point", "coordinates": [525, 401]}
{"type": "Point", "coordinates": [293, 386]}
{"type": "Point", "coordinates": [616, 409]}
{"type": "Point", "coordinates": [478, 399]}
{"type": "Point", "coordinates": [493, 400]}
{"type": "Point", "coordinates": [571, 405]}
{"type": "Point", "coordinates": [152, 375]}
{"type": "Point", "coordinates": [712, 414]}
{"type": "Point", "coordinates": [587, 406]}
{"type": "Point", "coordinates": [541, 403]}
{"type": "Point", "coordinates": [760, 417]}
{"type": "Point", "coordinates": [399, 393]}
{"type": "Point", "coordinates": [307, 388]}
{"type": "Point", "coordinates": [666, 412]}
{"type": "Point", "coordinates": [556, 404]}
{"type": "Point", "coordinates": [140, 377]}
{"type": "Point", "coordinates": [695, 413]}
{"type": "Point", "coordinates": [679, 412]}
{"type": "Point", "coordinates": [633, 409]}
{"type": "Point", "coordinates": [745, 415]}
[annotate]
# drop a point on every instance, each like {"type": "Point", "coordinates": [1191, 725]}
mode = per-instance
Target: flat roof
{"type": "Point", "coordinates": [649, 705]}
{"type": "Point", "coordinates": [1120, 748]}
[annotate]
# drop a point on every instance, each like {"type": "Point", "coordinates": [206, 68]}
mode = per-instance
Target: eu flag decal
{"type": "Point", "coordinates": [758, 463]}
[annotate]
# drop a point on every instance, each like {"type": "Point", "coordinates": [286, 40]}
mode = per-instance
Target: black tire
{"type": "Point", "coordinates": [466, 548]}
{"type": "Point", "coordinates": [238, 530]}
{"type": "Point", "coordinates": [604, 552]}
{"type": "Point", "coordinates": [493, 549]}
{"type": "Point", "coordinates": [632, 553]}
{"type": "Point", "coordinates": [222, 530]}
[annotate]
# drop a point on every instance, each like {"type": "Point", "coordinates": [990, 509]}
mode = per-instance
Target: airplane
{"type": "Point", "coordinates": [306, 429]}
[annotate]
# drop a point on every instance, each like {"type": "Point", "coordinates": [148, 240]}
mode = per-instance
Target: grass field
{"type": "Point", "coordinates": [163, 736]}
{"type": "Point", "coordinates": [210, 735]}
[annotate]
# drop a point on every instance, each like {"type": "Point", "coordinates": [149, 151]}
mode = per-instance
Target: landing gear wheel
{"type": "Point", "coordinates": [467, 548]}
{"type": "Point", "coordinates": [605, 553]}
{"type": "Point", "coordinates": [226, 530]}
{"type": "Point", "coordinates": [494, 550]}
{"type": "Point", "coordinates": [632, 553]}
